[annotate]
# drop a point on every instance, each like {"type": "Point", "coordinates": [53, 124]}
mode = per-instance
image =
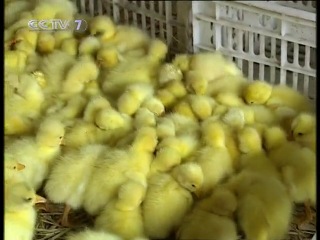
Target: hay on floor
{"type": "Point", "coordinates": [47, 227]}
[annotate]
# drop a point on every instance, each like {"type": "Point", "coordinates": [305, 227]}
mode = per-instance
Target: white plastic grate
{"type": "Point", "coordinates": [273, 41]}
{"type": "Point", "coordinates": [160, 19]}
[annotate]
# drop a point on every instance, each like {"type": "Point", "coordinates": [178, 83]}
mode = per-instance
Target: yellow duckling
{"type": "Point", "coordinates": [83, 71]}
{"type": "Point", "coordinates": [95, 104]}
{"type": "Point", "coordinates": [260, 92]}
{"type": "Point", "coordinates": [102, 27]}
{"type": "Point", "coordinates": [117, 166]}
{"type": "Point", "coordinates": [37, 153]}
{"type": "Point", "coordinates": [211, 218]}
{"type": "Point", "coordinates": [77, 166]}
{"type": "Point", "coordinates": [90, 234]}
{"type": "Point", "coordinates": [303, 130]}
{"type": "Point", "coordinates": [169, 72]}
{"type": "Point", "coordinates": [297, 166]}
{"type": "Point", "coordinates": [122, 215]}
{"type": "Point", "coordinates": [20, 215]}
{"type": "Point", "coordinates": [12, 170]}
{"type": "Point", "coordinates": [214, 159]}
{"type": "Point", "coordinates": [169, 193]}
{"type": "Point", "coordinates": [89, 46]}
{"type": "Point", "coordinates": [46, 43]}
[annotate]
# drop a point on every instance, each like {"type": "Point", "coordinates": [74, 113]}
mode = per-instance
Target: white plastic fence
{"type": "Point", "coordinates": [269, 40]}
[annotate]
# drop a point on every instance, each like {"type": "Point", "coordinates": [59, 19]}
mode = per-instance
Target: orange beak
{"type": "Point", "coordinates": [40, 199]}
{"type": "Point", "coordinates": [20, 166]}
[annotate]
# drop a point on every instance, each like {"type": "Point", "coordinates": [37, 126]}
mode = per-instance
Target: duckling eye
{"type": "Point", "coordinates": [97, 34]}
{"type": "Point", "coordinates": [60, 137]}
{"type": "Point", "coordinates": [28, 199]}
{"type": "Point", "coordinates": [14, 168]}
{"type": "Point", "coordinates": [300, 134]}
{"type": "Point", "coordinates": [192, 185]}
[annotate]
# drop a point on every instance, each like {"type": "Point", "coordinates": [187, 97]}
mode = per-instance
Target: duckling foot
{"type": "Point", "coordinates": [64, 221]}
{"type": "Point", "coordinates": [307, 216]}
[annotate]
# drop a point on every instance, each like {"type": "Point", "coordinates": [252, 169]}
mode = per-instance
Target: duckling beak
{"type": "Point", "coordinates": [40, 199]}
{"type": "Point", "coordinates": [20, 166]}
{"type": "Point", "coordinates": [290, 136]}
{"type": "Point", "coordinates": [99, 63]}
{"type": "Point", "coordinates": [198, 193]}
{"type": "Point", "coordinates": [62, 142]}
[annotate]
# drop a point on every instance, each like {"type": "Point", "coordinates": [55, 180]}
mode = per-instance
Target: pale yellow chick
{"type": "Point", "coordinates": [72, 109]}
{"type": "Point", "coordinates": [260, 92]}
{"type": "Point", "coordinates": [229, 99]}
{"type": "Point", "coordinates": [144, 118]}
{"type": "Point", "coordinates": [90, 234]}
{"type": "Point", "coordinates": [12, 11]}
{"type": "Point", "coordinates": [46, 43]}
{"type": "Point", "coordinates": [211, 218]}
{"type": "Point", "coordinates": [166, 97]}
{"type": "Point", "coordinates": [95, 104]}
{"type": "Point", "coordinates": [20, 215]}
{"type": "Point", "coordinates": [108, 57]}
{"type": "Point", "coordinates": [303, 130]}
{"type": "Point", "coordinates": [157, 49]}
{"type": "Point", "coordinates": [122, 216]}
{"type": "Point", "coordinates": [165, 128]}
{"type": "Point", "coordinates": [110, 119]}
{"type": "Point", "coordinates": [117, 166]}
{"type": "Point", "coordinates": [69, 177]}
{"type": "Point", "coordinates": [182, 62]}
{"type": "Point", "coordinates": [83, 71]}
{"type": "Point", "coordinates": [12, 170]}
{"type": "Point", "coordinates": [166, 158]}
{"type": "Point", "coordinates": [15, 61]}
{"type": "Point", "coordinates": [185, 144]}
{"type": "Point", "coordinates": [26, 40]}
{"type": "Point", "coordinates": [130, 101]}
{"type": "Point", "coordinates": [260, 214]}
{"type": "Point", "coordinates": [195, 83]}
{"type": "Point", "coordinates": [49, 9]}
{"type": "Point", "coordinates": [132, 71]}
{"type": "Point", "coordinates": [214, 160]}
{"type": "Point", "coordinates": [202, 106]}
{"type": "Point", "coordinates": [126, 38]}
{"type": "Point", "coordinates": [167, 194]}
{"type": "Point", "coordinates": [212, 66]}
{"type": "Point", "coordinates": [55, 67]}
{"type": "Point", "coordinates": [154, 105]}
{"type": "Point", "coordinates": [89, 46]}
{"type": "Point", "coordinates": [82, 132]}
{"type": "Point", "coordinates": [183, 107]}
{"type": "Point", "coordinates": [70, 46]}
{"type": "Point", "coordinates": [169, 72]}
{"type": "Point", "coordinates": [60, 36]}
{"type": "Point", "coordinates": [23, 105]}
{"type": "Point", "coordinates": [102, 27]}
{"type": "Point", "coordinates": [210, 137]}
{"type": "Point", "coordinates": [177, 88]}
{"type": "Point", "coordinates": [37, 153]}
{"type": "Point", "coordinates": [296, 164]}
{"type": "Point", "coordinates": [253, 157]}
{"type": "Point", "coordinates": [234, 84]}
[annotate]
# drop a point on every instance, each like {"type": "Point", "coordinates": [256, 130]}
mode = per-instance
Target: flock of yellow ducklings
{"type": "Point", "coordinates": [150, 148]}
